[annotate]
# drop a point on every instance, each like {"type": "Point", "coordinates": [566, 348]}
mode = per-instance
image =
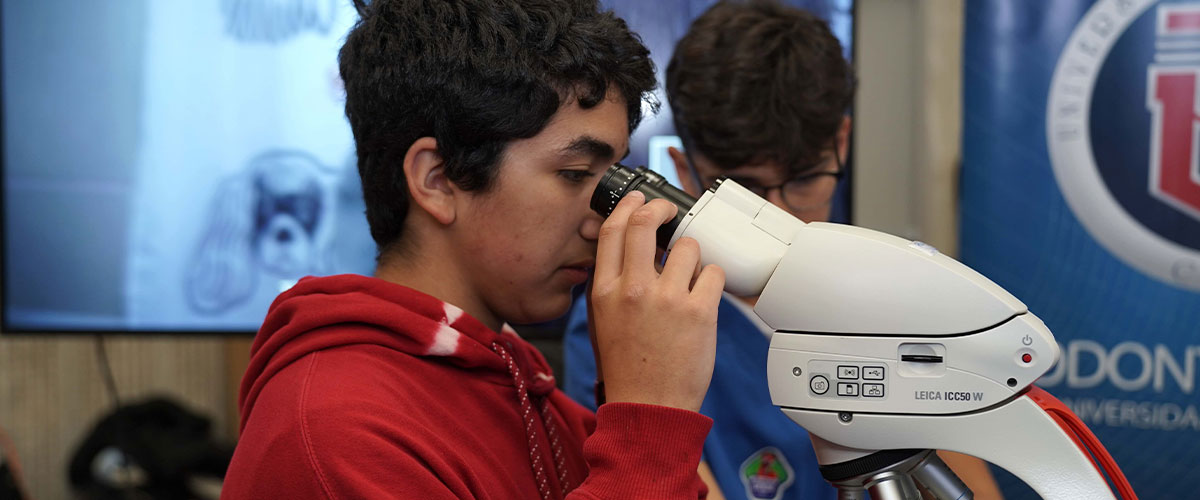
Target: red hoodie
{"type": "Point", "coordinates": [361, 388]}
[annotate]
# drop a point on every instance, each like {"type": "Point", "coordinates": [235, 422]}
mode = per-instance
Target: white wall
{"type": "Point", "coordinates": [907, 133]}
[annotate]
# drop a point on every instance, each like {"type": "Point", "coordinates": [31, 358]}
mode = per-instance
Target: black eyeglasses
{"type": "Point", "coordinates": [803, 193]}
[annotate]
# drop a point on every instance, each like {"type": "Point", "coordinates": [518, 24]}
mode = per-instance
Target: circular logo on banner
{"type": "Point", "coordinates": [1123, 129]}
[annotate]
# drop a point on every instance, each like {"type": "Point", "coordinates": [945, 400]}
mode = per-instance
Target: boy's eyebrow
{"type": "Point", "coordinates": [590, 146]}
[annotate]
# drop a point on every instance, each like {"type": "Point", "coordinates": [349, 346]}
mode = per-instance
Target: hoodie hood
{"type": "Point", "coordinates": [373, 311]}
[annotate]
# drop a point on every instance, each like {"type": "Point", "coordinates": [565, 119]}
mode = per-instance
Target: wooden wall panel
{"type": "Point", "coordinates": [52, 391]}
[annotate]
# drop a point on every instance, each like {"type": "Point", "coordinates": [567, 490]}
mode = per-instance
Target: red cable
{"type": "Point", "coordinates": [1083, 438]}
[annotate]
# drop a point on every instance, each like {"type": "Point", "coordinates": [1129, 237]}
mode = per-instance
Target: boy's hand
{"type": "Point", "coordinates": [655, 333]}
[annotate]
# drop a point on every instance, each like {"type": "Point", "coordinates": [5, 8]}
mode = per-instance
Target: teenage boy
{"type": "Point", "coordinates": [759, 92]}
{"type": "Point", "coordinates": [482, 128]}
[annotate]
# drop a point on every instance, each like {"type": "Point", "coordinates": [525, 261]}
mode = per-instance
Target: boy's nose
{"type": "Point", "coordinates": [590, 228]}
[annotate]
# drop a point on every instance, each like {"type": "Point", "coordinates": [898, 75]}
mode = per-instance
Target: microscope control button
{"type": "Point", "coordinates": [819, 384]}
{"type": "Point", "coordinates": [847, 389]}
{"type": "Point", "coordinates": [873, 372]}
{"type": "Point", "coordinates": [848, 372]}
{"type": "Point", "coordinates": [873, 390]}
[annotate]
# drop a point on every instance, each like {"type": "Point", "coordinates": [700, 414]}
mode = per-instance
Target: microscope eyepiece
{"type": "Point", "coordinates": [620, 180]}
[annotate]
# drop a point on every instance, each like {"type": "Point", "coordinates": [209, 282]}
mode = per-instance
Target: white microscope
{"type": "Point", "coordinates": [884, 350]}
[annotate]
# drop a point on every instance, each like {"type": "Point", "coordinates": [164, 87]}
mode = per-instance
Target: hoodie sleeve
{"type": "Point", "coordinates": [644, 451]}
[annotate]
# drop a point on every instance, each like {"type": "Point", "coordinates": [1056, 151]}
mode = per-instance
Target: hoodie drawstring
{"type": "Point", "coordinates": [527, 415]}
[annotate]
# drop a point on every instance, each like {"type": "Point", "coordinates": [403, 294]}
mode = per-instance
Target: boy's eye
{"type": "Point", "coordinates": [575, 175]}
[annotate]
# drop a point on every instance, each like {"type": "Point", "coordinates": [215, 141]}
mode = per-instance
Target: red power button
{"type": "Point", "coordinates": [1027, 357]}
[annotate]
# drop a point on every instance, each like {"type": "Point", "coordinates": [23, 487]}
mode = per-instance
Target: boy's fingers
{"type": "Point", "coordinates": [640, 239]}
{"type": "Point", "coordinates": [610, 249]}
{"type": "Point", "coordinates": [591, 325]}
{"type": "Point", "coordinates": [682, 263]}
{"type": "Point", "coordinates": [709, 284]}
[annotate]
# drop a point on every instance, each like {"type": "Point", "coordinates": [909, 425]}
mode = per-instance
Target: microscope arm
{"type": "Point", "coordinates": [936, 356]}
{"type": "Point", "coordinates": [1018, 436]}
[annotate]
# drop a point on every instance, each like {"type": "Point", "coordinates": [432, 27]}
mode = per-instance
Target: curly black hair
{"type": "Point", "coordinates": [759, 81]}
{"type": "Point", "coordinates": [474, 75]}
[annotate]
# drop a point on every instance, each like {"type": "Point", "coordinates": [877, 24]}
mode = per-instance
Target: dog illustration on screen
{"type": "Point", "coordinates": [275, 21]}
{"type": "Point", "coordinates": [273, 219]}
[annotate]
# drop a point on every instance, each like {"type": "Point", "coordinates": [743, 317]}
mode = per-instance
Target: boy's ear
{"type": "Point", "coordinates": [428, 185]}
{"type": "Point", "coordinates": [843, 138]}
{"type": "Point", "coordinates": [687, 177]}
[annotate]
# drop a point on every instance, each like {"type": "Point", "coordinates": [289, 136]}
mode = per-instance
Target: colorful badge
{"type": "Point", "coordinates": [766, 474]}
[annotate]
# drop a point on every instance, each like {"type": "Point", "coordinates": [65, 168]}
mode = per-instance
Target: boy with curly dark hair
{"type": "Point", "coordinates": [482, 128]}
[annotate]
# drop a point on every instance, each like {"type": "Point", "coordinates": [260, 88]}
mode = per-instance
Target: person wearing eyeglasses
{"type": "Point", "coordinates": [759, 93]}
{"type": "Point", "coordinates": [806, 191]}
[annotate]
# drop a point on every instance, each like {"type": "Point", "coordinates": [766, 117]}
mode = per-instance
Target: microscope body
{"type": "Point", "coordinates": [882, 343]}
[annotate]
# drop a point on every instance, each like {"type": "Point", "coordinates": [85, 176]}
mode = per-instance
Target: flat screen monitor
{"type": "Point", "coordinates": [173, 166]}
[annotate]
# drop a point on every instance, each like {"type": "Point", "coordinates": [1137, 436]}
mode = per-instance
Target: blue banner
{"type": "Point", "coordinates": [1081, 196]}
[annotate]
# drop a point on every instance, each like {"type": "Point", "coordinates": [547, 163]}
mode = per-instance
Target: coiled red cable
{"type": "Point", "coordinates": [1084, 439]}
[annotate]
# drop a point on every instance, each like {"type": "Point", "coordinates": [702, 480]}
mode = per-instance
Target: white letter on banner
{"type": "Point", "coordinates": [1074, 379]}
{"type": "Point", "coordinates": [1114, 359]}
{"type": "Point", "coordinates": [1163, 361]}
